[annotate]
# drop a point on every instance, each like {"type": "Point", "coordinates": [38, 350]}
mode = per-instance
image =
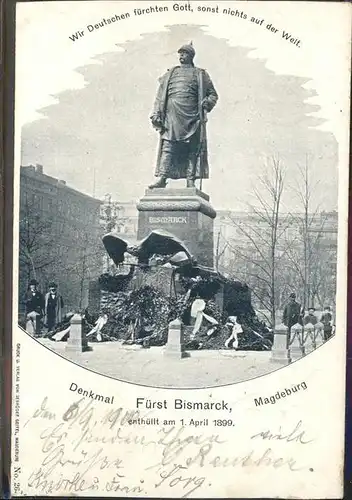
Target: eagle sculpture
{"type": "Point", "coordinates": [159, 246]}
{"type": "Point", "coordinates": [158, 242]}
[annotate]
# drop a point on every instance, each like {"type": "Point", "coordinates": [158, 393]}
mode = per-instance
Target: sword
{"type": "Point", "coordinates": [203, 120]}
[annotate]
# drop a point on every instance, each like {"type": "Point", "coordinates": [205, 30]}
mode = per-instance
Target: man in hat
{"type": "Point", "coordinates": [53, 307]}
{"type": "Point", "coordinates": [326, 319]}
{"type": "Point", "coordinates": [34, 301]}
{"type": "Point", "coordinates": [185, 95]}
{"type": "Point", "coordinates": [292, 312]}
{"type": "Point", "coordinates": [311, 318]}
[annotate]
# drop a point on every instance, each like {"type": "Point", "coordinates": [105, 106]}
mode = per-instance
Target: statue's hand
{"type": "Point", "coordinates": [156, 121]}
{"type": "Point", "coordinates": [207, 105]}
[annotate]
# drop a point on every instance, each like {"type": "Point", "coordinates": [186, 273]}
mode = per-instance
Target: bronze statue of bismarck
{"type": "Point", "coordinates": [185, 95]}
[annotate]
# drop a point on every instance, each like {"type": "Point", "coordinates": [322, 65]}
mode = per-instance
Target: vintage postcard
{"type": "Point", "coordinates": [180, 249]}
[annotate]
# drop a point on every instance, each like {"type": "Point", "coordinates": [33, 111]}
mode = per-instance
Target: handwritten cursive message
{"type": "Point", "coordinates": [94, 450]}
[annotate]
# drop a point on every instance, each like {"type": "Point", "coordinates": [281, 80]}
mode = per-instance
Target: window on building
{"type": "Point", "coordinates": [50, 205]}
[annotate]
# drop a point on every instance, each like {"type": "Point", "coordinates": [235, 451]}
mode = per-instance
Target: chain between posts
{"type": "Point", "coordinates": [294, 343]}
{"type": "Point", "coordinates": [306, 338]}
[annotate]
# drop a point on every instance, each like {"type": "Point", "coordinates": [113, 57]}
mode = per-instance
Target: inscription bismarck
{"type": "Point", "coordinates": [168, 220]}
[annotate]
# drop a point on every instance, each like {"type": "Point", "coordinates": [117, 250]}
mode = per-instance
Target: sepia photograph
{"type": "Point", "coordinates": [179, 216]}
{"type": "Point", "coordinates": [180, 187]}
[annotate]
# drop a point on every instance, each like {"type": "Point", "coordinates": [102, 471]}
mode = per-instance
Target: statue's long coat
{"type": "Point", "coordinates": [206, 95]}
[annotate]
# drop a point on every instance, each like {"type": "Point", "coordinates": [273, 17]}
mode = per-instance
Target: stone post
{"type": "Point", "coordinates": [37, 325]}
{"type": "Point", "coordinates": [175, 343]}
{"type": "Point", "coordinates": [77, 341]}
{"type": "Point", "coordinates": [319, 334]}
{"type": "Point", "coordinates": [280, 352]}
{"type": "Point", "coordinates": [30, 327]}
{"type": "Point", "coordinates": [308, 338]}
{"type": "Point", "coordinates": [296, 342]}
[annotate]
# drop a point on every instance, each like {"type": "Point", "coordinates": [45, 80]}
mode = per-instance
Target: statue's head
{"type": "Point", "coordinates": [186, 54]}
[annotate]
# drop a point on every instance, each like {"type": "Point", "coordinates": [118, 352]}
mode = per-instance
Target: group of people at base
{"type": "Point", "coordinates": [43, 310]}
{"type": "Point", "coordinates": [294, 314]}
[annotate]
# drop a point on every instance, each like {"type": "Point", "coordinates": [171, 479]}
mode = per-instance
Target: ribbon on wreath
{"type": "Point", "coordinates": [197, 312]}
{"type": "Point", "coordinates": [100, 322]}
{"type": "Point", "coordinates": [236, 329]}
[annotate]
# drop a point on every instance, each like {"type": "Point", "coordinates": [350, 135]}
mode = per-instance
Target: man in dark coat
{"type": "Point", "coordinates": [34, 301]}
{"type": "Point", "coordinates": [53, 307]}
{"type": "Point", "coordinates": [326, 319]}
{"type": "Point", "coordinates": [185, 95]}
{"type": "Point", "coordinates": [310, 317]}
{"type": "Point", "coordinates": [292, 312]}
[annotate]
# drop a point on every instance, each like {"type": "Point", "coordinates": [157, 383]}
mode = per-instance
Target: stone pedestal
{"type": "Point", "coordinates": [77, 341]}
{"type": "Point", "coordinates": [280, 352]}
{"type": "Point", "coordinates": [186, 213]}
{"type": "Point", "coordinates": [175, 342]}
{"type": "Point", "coordinates": [157, 277]}
{"type": "Point", "coordinates": [308, 338]}
{"type": "Point", "coordinates": [319, 334]}
{"type": "Point", "coordinates": [296, 342]}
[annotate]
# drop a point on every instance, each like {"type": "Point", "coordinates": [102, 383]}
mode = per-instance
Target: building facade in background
{"type": "Point", "coordinates": [121, 218]}
{"type": "Point", "coordinates": [59, 236]}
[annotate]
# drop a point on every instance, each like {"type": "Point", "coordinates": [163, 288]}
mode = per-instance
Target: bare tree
{"type": "Point", "coordinates": [82, 263]}
{"type": "Point", "coordinates": [323, 275]}
{"type": "Point", "coordinates": [308, 254]}
{"type": "Point", "coordinates": [259, 253]}
{"type": "Point", "coordinates": [111, 217]}
{"type": "Point", "coordinates": [220, 249]}
{"type": "Point", "coordinates": [36, 241]}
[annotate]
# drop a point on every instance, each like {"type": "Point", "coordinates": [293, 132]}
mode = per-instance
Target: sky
{"type": "Point", "coordinates": [83, 107]}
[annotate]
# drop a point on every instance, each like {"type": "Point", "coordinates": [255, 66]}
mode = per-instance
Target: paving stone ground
{"type": "Point", "coordinates": [150, 367]}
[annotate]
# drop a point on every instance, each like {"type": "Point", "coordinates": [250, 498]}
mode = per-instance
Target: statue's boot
{"type": "Point", "coordinates": [191, 170]}
{"type": "Point", "coordinates": [160, 183]}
